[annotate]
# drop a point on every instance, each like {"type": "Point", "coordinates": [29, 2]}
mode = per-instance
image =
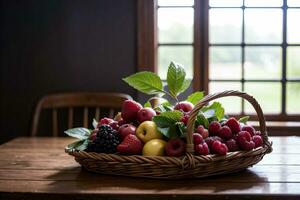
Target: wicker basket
{"type": "Point", "coordinates": [188, 166]}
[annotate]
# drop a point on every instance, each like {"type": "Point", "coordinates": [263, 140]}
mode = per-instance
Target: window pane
{"type": "Point", "coordinates": [293, 62]}
{"type": "Point", "coordinates": [268, 96]}
{"type": "Point", "coordinates": [175, 2]}
{"type": "Point", "coordinates": [293, 3]}
{"type": "Point", "coordinates": [263, 63]}
{"type": "Point", "coordinates": [262, 3]}
{"type": "Point", "coordinates": [231, 104]}
{"type": "Point", "coordinates": [225, 25]}
{"type": "Point", "coordinates": [293, 96]}
{"type": "Point", "coordinates": [263, 25]}
{"type": "Point", "coordinates": [226, 3]}
{"type": "Point", "coordinates": [224, 61]}
{"type": "Point", "coordinates": [175, 25]}
{"type": "Point", "coordinates": [179, 54]}
{"type": "Point", "coordinates": [293, 28]}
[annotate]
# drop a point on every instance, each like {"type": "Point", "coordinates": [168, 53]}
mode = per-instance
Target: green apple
{"type": "Point", "coordinates": [155, 147]}
{"type": "Point", "coordinates": [148, 131]}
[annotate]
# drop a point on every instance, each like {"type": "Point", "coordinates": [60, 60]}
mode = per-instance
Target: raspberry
{"type": "Point", "coordinates": [106, 120]}
{"type": "Point", "coordinates": [202, 149]}
{"type": "Point", "coordinates": [245, 140]}
{"type": "Point", "coordinates": [202, 131]}
{"type": "Point", "coordinates": [219, 148]}
{"type": "Point", "coordinates": [210, 140]}
{"type": "Point", "coordinates": [214, 127]}
{"type": "Point", "coordinates": [233, 124]}
{"type": "Point", "coordinates": [257, 133]}
{"type": "Point", "coordinates": [248, 128]}
{"type": "Point", "coordinates": [106, 140]}
{"type": "Point", "coordinates": [225, 132]}
{"type": "Point", "coordinates": [114, 125]}
{"type": "Point", "coordinates": [93, 135]}
{"type": "Point", "coordinates": [232, 145]}
{"type": "Point", "coordinates": [198, 139]}
{"type": "Point", "coordinates": [257, 140]}
{"type": "Point", "coordinates": [175, 147]}
{"type": "Point", "coordinates": [185, 119]}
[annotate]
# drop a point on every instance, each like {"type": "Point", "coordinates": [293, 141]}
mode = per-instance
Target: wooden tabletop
{"type": "Point", "coordinates": [36, 168]}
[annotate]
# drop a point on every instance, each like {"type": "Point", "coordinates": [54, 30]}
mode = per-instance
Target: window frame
{"type": "Point", "coordinates": [147, 37]}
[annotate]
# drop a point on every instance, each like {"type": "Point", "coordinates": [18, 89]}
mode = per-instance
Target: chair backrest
{"type": "Point", "coordinates": [85, 100]}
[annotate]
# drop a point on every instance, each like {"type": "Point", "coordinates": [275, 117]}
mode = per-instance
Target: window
{"type": "Point", "coordinates": [249, 45]}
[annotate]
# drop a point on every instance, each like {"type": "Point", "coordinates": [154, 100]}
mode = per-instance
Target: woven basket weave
{"type": "Point", "coordinates": [188, 166]}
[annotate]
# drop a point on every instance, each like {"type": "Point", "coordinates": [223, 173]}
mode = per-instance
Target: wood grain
{"type": "Point", "coordinates": [38, 168]}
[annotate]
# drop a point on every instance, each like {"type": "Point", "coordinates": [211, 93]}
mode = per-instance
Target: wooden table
{"type": "Point", "coordinates": [38, 168]}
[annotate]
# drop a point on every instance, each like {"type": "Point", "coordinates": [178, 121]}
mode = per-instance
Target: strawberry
{"type": "Point", "coordinates": [104, 120]}
{"type": "Point", "coordinates": [130, 109]}
{"type": "Point", "coordinates": [131, 145]}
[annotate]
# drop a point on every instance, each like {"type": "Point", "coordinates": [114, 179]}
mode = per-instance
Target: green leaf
{"type": "Point", "coordinates": [175, 78]}
{"type": "Point", "coordinates": [164, 131]}
{"type": "Point", "coordinates": [172, 115]}
{"type": "Point", "coordinates": [95, 123]}
{"type": "Point", "coordinates": [80, 133]}
{"type": "Point", "coordinates": [173, 132]}
{"type": "Point", "coordinates": [166, 104]}
{"type": "Point", "coordinates": [181, 129]}
{"type": "Point", "coordinates": [163, 108]}
{"type": "Point", "coordinates": [186, 84]}
{"type": "Point", "coordinates": [244, 119]}
{"type": "Point", "coordinates": [168, 123]}
{"type": "Point", "coordinates": [201, 120]}
{"type": "Point", "coordinates": [80, 145]}
{"type": "Point", "coordinates": [213, 110]}
{"type": "Point", "coordinates": [147, 105]}
{"type": "Point", "coordinates": [162, 121]}
{"type": "Point", "coordinates": [195, 97]}
{"type": "Point", "coordinates": [146, 82]}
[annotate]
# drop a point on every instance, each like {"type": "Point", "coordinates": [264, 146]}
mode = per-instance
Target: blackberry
{"type": "Point", "coordinates": [106, 141]}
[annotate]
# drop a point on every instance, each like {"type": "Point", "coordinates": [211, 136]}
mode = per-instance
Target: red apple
{"type": "Point", "coordinates": [185, 106]}
{"type": "Point", "coordinates": [126, 129]}
{"type": "Point", "coordinates": [130, 109]}
{"type": "Point", "coordinates": [145, 114]}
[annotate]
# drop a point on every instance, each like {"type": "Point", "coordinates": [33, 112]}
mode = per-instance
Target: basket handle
{"type": "Point", "coordinates": [208, 98]}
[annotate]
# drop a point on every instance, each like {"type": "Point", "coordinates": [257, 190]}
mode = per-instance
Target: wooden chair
{"type": "Point", "coordinates": [110, 101]}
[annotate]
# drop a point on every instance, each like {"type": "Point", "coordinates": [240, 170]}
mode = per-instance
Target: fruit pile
{"type": "Point", "coordinates": [133, 132]}
{"type": "Point", "coordinates": [160, 128]}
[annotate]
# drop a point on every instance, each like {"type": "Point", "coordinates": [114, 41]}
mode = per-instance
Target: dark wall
{"type": "Point", "coordinates": [54, 46]}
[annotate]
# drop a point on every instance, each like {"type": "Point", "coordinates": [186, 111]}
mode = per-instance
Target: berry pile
{"type": "Point", "coordinates": [228, 136]}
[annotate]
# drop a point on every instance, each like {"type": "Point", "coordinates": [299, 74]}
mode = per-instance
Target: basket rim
{"type": "Point", "coordinates": [186, 161]}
